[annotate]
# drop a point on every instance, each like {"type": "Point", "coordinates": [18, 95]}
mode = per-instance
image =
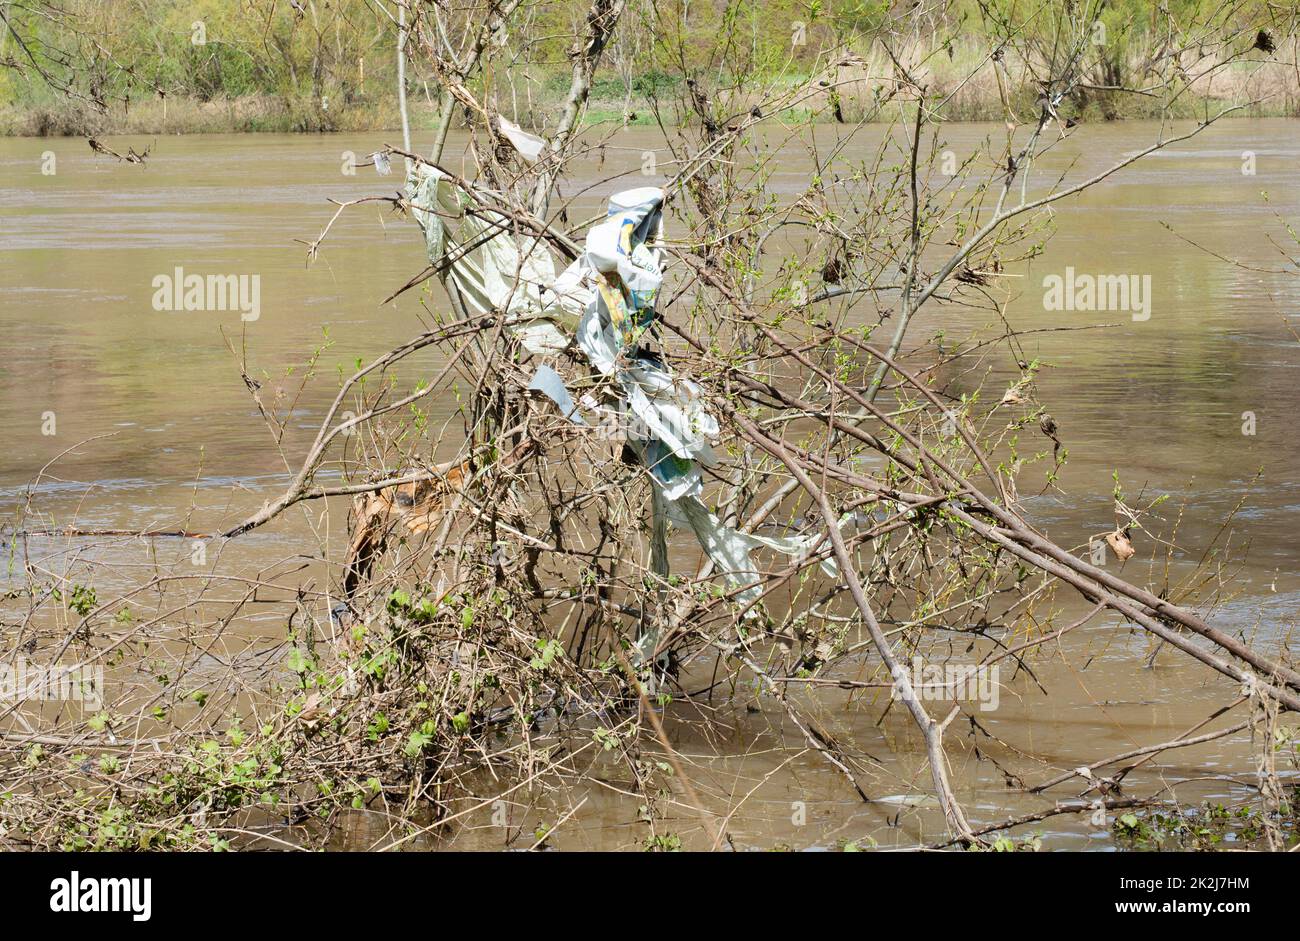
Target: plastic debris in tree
{"type": "Point", "coordinates": [529, 146]}
{"type": "Point", "coordinates": [606, 301]}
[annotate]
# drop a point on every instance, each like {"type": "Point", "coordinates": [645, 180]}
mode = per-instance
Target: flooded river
{"type": "Point", "coordinates": [1199, 400]}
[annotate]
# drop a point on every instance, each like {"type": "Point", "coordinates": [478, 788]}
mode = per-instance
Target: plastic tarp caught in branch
{"type": "Point", "coordinates": [605, 300]}
{"type": "Point", "coordinates": [489, 268]}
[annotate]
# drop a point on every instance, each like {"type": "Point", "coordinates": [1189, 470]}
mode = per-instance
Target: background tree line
{"type": "Point", "coordinates": [102, 66]}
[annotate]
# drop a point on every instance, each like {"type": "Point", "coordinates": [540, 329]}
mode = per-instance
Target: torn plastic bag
{"type": "Point", "coordinates": [606, 300]}
{"type": "Point", "coordinates": [730, 548]}
{"type": "Point", "coordinates": [488, 267]}
{"type": "Point", "coordinates": [529, 146]}
{"type": "Point", "coordinates": [548, 382]}
{"type": "Point", "coordinates": [627, 273]}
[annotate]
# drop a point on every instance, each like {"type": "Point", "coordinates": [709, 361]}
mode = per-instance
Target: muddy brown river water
{"type": "Point", "coordinates": [171, 436]}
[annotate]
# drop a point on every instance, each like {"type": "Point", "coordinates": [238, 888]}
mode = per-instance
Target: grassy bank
{"type": "Point", "coordinates": [199, 68]}
{"type": "Point", "coordinates": [969, 92]}
{"type": "Point", "coordinates": [187, 115]}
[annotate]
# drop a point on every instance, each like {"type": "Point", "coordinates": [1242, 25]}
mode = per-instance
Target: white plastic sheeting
{"type": "Point", "coordinates": [488, 267]}
{"type": "Point", "coordinates": [529, 146]}
{"type": "Point", "coordinates": [605, 301]}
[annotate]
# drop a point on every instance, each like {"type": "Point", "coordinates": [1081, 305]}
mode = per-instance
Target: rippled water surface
{"type": "Point", "coordinates": [164, 430]}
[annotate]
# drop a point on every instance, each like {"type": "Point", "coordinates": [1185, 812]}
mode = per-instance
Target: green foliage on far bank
{"type": "Point", "coordinates": [166, 66]}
